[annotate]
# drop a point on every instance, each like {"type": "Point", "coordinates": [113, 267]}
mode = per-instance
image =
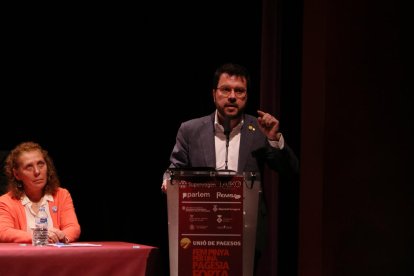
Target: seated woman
{"type": "Point", "coordinates": [32, 182]}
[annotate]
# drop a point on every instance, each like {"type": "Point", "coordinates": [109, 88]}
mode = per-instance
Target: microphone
{"type": "Point", "coordinates": [226, 126]}
{"type": "Point", "coordinates": [227, 130]}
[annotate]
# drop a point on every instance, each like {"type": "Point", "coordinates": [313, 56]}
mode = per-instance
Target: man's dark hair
{"type": "Point", "coordinates": [231, 69]}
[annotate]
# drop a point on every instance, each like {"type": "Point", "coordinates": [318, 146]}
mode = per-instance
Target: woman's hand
{"type": "Point", "coordinates": [56, 235]}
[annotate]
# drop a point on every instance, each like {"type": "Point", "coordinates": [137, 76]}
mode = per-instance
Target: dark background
{"type": "Point", "coordinates": [105, 88]}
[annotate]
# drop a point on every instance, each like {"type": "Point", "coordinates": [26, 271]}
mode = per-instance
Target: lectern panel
{"type": "Point", "coordinates": [212, 223]}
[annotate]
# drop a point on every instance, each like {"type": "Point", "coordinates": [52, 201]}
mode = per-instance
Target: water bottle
{"type": "Point", "coordinates": [40, 234]}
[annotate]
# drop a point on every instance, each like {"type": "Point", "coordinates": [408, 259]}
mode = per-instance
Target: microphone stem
{"type": "Point", "coordinates": [227, 152]}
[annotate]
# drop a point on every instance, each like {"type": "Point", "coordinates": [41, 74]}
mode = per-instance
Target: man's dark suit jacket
{"type": "Point", "coordinates": [195, 148]}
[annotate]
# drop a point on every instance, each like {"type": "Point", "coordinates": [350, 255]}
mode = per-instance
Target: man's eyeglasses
{"type": "Point", "coordinates": [239, 92]}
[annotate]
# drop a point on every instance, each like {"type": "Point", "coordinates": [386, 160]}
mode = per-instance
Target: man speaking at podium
{"type": "Point", "coordinates": [229, 139]}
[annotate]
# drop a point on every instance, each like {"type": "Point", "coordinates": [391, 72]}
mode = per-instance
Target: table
{"type": "Point", "coordinates": [109, 258]}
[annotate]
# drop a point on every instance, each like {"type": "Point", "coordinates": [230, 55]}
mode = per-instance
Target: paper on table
{"type": "Point", "coordinates": [72, 244]}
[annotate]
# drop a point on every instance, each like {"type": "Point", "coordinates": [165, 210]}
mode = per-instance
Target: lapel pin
{"type": "Point", "coordinates": [251, 128]}
{"type": "Point", "coordinates": [54, 209]}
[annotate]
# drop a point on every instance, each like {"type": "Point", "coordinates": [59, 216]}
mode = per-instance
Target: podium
{"type": "Point", "coordinates": [212, 217]}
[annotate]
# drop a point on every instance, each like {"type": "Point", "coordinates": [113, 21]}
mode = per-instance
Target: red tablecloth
{"type": "Point", "coordinates": [110, 258]}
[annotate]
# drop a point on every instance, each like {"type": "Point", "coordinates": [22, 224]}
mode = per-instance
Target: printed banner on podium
{"type": "Point", "coordinates": [212, 219]}
{"type": "Point", "coordinates": [210, 228]}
